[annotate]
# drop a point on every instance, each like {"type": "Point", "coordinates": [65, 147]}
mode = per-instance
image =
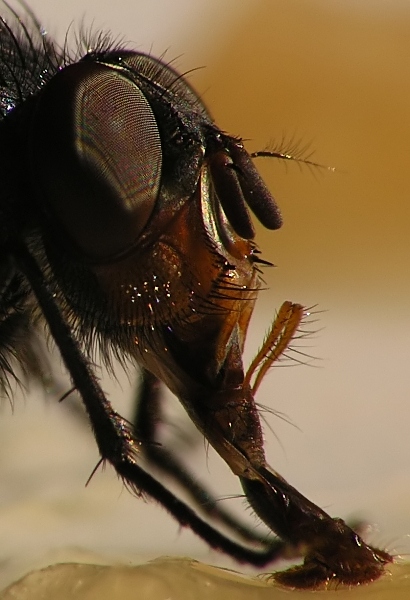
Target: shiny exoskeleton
{"type": "Point", "coordinates": [125, 224]}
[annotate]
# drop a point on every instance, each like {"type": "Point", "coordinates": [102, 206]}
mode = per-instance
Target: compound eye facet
{"type": "Point", "coordinates": [96, 158]}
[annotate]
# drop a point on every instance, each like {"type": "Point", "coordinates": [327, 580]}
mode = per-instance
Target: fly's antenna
{"type": "Point", "coordinates": [293, 151]}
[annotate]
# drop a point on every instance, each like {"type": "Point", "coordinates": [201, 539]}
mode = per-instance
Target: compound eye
{"type": "Point", "coordinates": [96, 158]}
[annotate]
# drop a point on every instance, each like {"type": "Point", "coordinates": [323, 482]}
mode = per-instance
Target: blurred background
{"type": "Point", "coordinates": [330, 75]}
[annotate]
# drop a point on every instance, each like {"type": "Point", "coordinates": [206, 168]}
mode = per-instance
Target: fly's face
{"type": "Point", "coordinates": [146, 200]}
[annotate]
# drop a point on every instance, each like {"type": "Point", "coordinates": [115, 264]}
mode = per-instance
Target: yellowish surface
{"type": "Point", "coordinates": [182, 579]}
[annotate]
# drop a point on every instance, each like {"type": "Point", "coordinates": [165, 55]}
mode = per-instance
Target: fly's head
{"type": "Point", "coordinates": [147, 228]}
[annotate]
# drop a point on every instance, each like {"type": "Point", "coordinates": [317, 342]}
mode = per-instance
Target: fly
{"type": "Point", "coordinates": [125, 224]}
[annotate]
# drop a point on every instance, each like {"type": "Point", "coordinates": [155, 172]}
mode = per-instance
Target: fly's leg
{"type": "Point", "coordinates": [332, 551]}
{"type": "Point", "coordinates": [113, 434]}
{"type": "Point", "coordinates": [148, 418]}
